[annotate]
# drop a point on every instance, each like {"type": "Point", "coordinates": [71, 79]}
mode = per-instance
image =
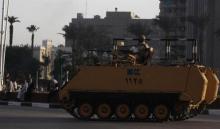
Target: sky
{"type": "Point", "coordinates": [52, 15]}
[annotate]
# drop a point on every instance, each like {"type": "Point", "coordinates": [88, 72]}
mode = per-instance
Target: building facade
{"type": "Point", "coordinates": [44, 54]}
{"type": "Point", "coordinates": [204, 29]}
{"type": "Point", "coordinates": [208, 13]}
{"type": "Point", "coordinates": [216, 27]}
{"type": "Point", "coordinates": [115, 22]}
{"type": "Point", "coordinates": [175, 9]}
{"type": "Point", "coordinates": [38, 54]}
{"type": "Point", "coordinates": [48, 66]}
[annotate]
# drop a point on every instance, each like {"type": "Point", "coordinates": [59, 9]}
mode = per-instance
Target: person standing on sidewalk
{"type": "Point", "coordinates": [28, 95]}
{"type": "Point", "coordinates": [15, 85]}
{"type": "Point", "coordinates": [22, 91]}
{"type": "Point", "coordinates": [53, 92]}
{"type": "Point", "coordinates": [7, 87]}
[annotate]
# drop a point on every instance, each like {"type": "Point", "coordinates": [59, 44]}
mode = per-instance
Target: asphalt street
{"type": "Point", "coordinates": [14, 117]}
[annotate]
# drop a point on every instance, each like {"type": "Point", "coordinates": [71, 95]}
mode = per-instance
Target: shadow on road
{"type": "Point", "coordinates": [21, 119]}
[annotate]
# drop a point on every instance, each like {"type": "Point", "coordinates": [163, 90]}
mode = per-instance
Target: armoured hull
{"type": "Point", "coordinates": [148, 92]}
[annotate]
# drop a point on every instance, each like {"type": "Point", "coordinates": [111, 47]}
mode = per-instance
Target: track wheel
{"type": "Point", "coordinates": [85, 110]}
{"type": "Point", "coordinates": [161, 112]}
{"type": "Point", "coordinates": [141, 112]}
{"type": "Point", "coordinates": [122, 111]}
{"type": "Point", "coordinates": [104, 111]}
{"type": "Point", "coordinates": [177, 111]}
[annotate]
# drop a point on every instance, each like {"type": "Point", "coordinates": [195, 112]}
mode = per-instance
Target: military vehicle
{"type": "Point", "coordinates": [126, 90]}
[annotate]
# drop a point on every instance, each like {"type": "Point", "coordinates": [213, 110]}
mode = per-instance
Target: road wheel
{"type": "Point", "coordinates": [85, 110]}
{"type": "Point", "coordinates": [177, 111]}
{"type": "Point", "coordinates": [161, 112]}
{"type": "Point", "coordinates": [104, 111]}
{"type": "Point", "coordinates": [123, 111]}
{"type": "Point", "coordinates": [141, 112]}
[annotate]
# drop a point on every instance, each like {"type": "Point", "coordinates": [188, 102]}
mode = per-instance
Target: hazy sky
{"type": "Point", "coordinates": [52, 15]}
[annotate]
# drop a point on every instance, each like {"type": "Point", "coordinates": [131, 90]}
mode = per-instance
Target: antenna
{"type": "Point", "coordinates": [86, 9]}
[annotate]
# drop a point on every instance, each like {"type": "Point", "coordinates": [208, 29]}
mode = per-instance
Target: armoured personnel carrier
{"type": "Point", "coordinates": [127, 90]}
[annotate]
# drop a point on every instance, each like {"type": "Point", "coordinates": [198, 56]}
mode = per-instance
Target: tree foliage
{"type": "Point", "coordinates": [87, 37]}
{"type": "Point", "coordinates": [167, 24]}
{"type": "Point", "coordinates": [46, 61]}
{"type": "Point", "coordinates": [32, 29]}
{"type": "Point", "coordinates": [61, 65]}
{"type": "Point", "coordinates": [138, 29]}
{"type": "Point", "coordinates": [19, 62]}
{"type": "Point", "coordinates": [12, 20]}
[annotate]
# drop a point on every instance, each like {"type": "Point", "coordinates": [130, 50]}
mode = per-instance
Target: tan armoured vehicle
{"type": "Point", "coordinates": [127, 90]}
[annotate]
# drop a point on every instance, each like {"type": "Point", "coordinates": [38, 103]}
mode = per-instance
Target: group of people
{"type": "Point", "coordinates": [10, 84]}
{"type": "Point", "coordinates": [24, 89]}
{"type": "Point", "coordinates": [25, 92]}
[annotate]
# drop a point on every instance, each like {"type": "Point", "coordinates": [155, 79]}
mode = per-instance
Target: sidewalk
{"type": "Point", "coordinates": [30, 104]}
{"type": "Point", "coordinates": [35, 97]}
{"type": "Point", "coordinates": [37, 100]}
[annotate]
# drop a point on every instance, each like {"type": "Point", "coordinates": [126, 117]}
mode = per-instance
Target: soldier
{"type": "Point", "coordinates": [143, 52]}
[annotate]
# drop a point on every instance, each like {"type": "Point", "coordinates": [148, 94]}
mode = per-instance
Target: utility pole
{"type": "Point", "coordinates": [1, 44]}
{"type": "Point", "coordinates": [3, 41]}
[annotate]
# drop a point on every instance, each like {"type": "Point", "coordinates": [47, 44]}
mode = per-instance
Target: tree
{"type": "Point", "coordinates": [19, 62]}
{"type": "Point", "coordinates": [12, 20]}
{"type": "Point", "coordinates": [200, 23]}
{"type": "Point", "coordinates": [58, 65]}
{"type": "Point", "coordinates": [46, 63]}
{"type": "Point", "coordinates": [32, 29]}
{"type": "Point", "coordinates": [70, 31]}
{"type": "Point", "coordinates": [85, 37]}
{"type": "Point", "coordinates": [167, 24]}
{"type": "Point", "coordinates": [217, 33]}
{"type": "Point", "coordinates": [138, 29]}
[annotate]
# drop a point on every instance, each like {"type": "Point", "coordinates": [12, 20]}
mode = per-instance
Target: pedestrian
{"type": "Point", "coordinates": [15, 85]}
{"type": "Point", "coordinates": [28, 94]}
{"type": "Point", "coordinates": [11, 85]}
{"type": "Point", "coordinates": [7, 87]}
{"type": "Point", "coordinates": [22, 91]}
{"type": "Point", "coordinates": [54, 87]}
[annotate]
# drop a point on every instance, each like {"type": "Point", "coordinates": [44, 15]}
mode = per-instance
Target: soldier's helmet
{"type": "Point", "coordinates": [142, 38]}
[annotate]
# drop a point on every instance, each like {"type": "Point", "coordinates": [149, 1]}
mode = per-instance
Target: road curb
{"type": "Point", "coordinates": [214, 112]}
{"type": "Point", "coordinates": [31, 104]}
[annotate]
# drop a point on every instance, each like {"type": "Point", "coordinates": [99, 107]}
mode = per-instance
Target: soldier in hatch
{"type": "Point", "coordinates": [143, 52]}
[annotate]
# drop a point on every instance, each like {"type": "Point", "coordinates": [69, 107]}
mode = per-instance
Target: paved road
{"type": "Point", "coordinates": [13, 117]}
